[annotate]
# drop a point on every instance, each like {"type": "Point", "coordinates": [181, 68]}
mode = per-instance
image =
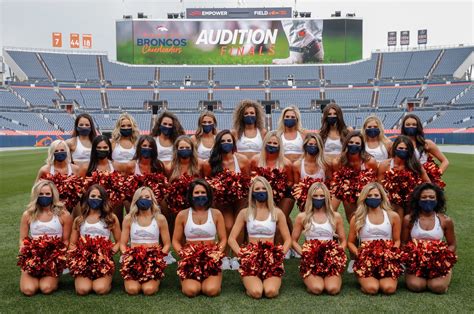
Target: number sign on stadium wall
{"type": "Point", "coordinates": [227, 42]}
{"type": "Point", "coordinates": [404, 38]}
{"type": "Point", "coordinates": [391, 39]}
{"type": "Point", "coordinates": [422, 36]}
{"type": "Point", "coordinates": [74, 40]}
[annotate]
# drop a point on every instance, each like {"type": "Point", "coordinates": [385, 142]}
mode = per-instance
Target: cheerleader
{"type": "Point", "coordinates": [427, 225]}
{"type": "Point", "coordinates": [199, 268]}
{"type": "Point", "coordinates": [400, 174]}
{"type": "Point", "coordinates": [58, 162]}
{"type": "Point", "coordinates": [249, 128]}
{"type": "Point", "coordinates": [90, 250]}
{"type": "Point", "coordinates": [261, 262]}
{"type": "Point", "coordinates": [145, 160]}
{"type": "Point", "coordinates": [166, 130]}
{"type": "Point", "coordinates": [143, 227]}
{"type": "Point", "coordinates": [376, 143]}
{"type": "Point", "coordinates": [205, 134]}
{"type": "Point", "coordinates": [100, 159]}
{"type": "Point", "coordinates": [320, 225]}
{"type": "Point", "coordinates": [185, 159]}
{"type": "Point", "coordinates": [312, 164]}
{"type": "Point", "coordinates": [291, 132]}
{"type": "Point", "coordinates": [81, 141]}
{"type": "Point", "coordinates": [124, 138]}
{"type": "Point", "coordinates": [45, 220]}
{"type": "Point", "coordinates": [333, 131]}
{"type": "Point", "coordinates": [377, 265]}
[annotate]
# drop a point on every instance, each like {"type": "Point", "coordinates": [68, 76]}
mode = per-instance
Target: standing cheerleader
{"type": "Point", "coordinates": [143, 262]}
{"type": "Point", "coordinates": [124, 139]}
{"type": "Point", "coordinates": [428, 259]}
{"type": "Point", "coordinates": [166, 130]}
{"type": "Point", "coordinates": [58, 161]}
{"type": "Point", "coordinates": [145, 160]}
{"type": "Point", "coordinates": [205, 134]}
{"type": "Point", "coordinates": [80, 142]}
{"type": "Point", "coordinates": [313, 163]}
{"type": "Point", "coordinates": [323, 259]}
{"type": "Point", "coordinates": [44, 235]}
{"type": "Point", "coordinates": [249, 128]}
{"type": "Point", "coordinates": [101, 157]}
{"type": "Point", "coordinates": [292, 133]}
{"type": "Point", "coordinates": [377, 227]}
{"type": "Point", "coordinates": [261, 262]}
{"type": "Point", "coordinates": [400, 174]}
{"type": "Point", "coordinates": [333, 130]}
{"type": "Point", "coordinates": [376, 143]}
{"type": "Point", "coordinates": [90, 256]}
{"type": "Point", "coordinates": [199, 267]}
{"type": "Point", "coordinates": [185, 159]}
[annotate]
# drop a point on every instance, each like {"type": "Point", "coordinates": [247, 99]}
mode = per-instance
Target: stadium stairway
{"type": "Point", "coordinates": [45, 67]}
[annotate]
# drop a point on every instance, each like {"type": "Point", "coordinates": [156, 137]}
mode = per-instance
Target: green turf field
{"type": "Point", "coordinates": [18, 170]}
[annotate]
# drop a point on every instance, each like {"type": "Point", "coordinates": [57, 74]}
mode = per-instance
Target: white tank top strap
{"type": "Point", "coordinates": [98, 229]}
{"type": "Point", "coordinates": [379, 153]}
{"type": "Point", "coordinates": [392, 164]}
{"type": "Point", "coordinates": [149, 234]}
{"type": "Point", "coordinates": [323, 232]}
{"type": "Point", "coordinates": [165, 153]}
{"type": "Point", "coordinates": [372, 231]}
{"type": "Point", "coordinates": [204, 232]}
{"type": "Point", "coordinates": [203, 151]}
{"type": "Point", "coordinates": [52, 228]}
{"type": "Point", "coordinates": [419, 233]}
{"type": "Point", "coordinates": [122, 155]}
{"type": "Point", "coordinates": [137, 168]}
{"type": "Point", "coordinates": [292, 146]}
{"type": "Point", "coordinates": [81, 153]}
{"type": "Point", "coordinates": [236, 165]}
{"type": "Point", "coordinates": [250, 144]}
{"type": "Point", "coordinates": [362, 166]}
{"type": "Point", "coordinates": [320, 174]}
{"type": "Point", "coordinates": [423, 158]}
{"type": "Point", "coordinates": [261, 229]}
{"type": "Point", "coordinates": [332, 147]}
{"type": "Point", "coordinates": [52, 170]}
{"type": "Point", "coordinates": [111, 167]}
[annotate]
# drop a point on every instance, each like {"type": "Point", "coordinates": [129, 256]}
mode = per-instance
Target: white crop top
{"type": "Point", "coordinates": [261, 229]}
{"type": "Point", "coordinates": [382, 231]}
{"type": "Point", "coordinates": [236, 165]}
{"type": "Point", "coordinates": [332, 147]}
{"type": "Point", "coordinates": [98, 229]}
{"type": "Point", "coordinates": [81, 153]}
{"type": "Point", "coordinates": [122, 155]}
{"type": "Point", "coordinates": [204, 232]}
{"type": "Point", "coordinates": [421, 234]}
{"type": "Point", "coordinates": [292, 146]}
{"type": "Point", "coordinates": [423, 158]}
{"type": "Point", "coordinates": [320, 174]}
{"type": "Point", "coordinates": [250, 144]}
{"type": "Point", "coordinates": [52, 171]}
{"type": "Point", "coordinates": [203, 151]}
{"type": "Point", "coordinates": [323, 232]}
{"type": "Point", "coordinates": [149, 234]}
{"type": "Point", "coordinates": [165, 153]}
{"type": "Point", "coordinates": [52, 228]}
{"type": "Point", "coordinates": [379, 153]}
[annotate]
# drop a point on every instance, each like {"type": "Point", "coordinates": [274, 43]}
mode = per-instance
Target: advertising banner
{"type": "Point", "coordinates": [404, 38]}
{"type": "Point", "coordinates": [227, 42]}
{"type": "Point", "coordinates": [238, 13]}
{"type": "Point", "coordinates": [391, 39]}
{"type": "Point", "coordinates": [422, 37]}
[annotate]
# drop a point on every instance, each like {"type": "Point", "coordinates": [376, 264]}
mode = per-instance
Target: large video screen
{"type": "Point", "coordinates": [231, 42]}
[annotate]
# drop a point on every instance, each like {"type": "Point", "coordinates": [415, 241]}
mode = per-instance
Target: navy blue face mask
{"type": "Point", "coordinates": [185, 153]}
{"type": "Point", "coordinates": [318, 203]}
{"type": "Point", "coordinates": [354, 149]}
{"type": "Point", "coordinates": [44, 201]}
{"type": "Point", "coordinates": [126, 132]}
{"type": "Point", "coordinates": [208, 128]}
{"type": "Point", "coordinates": [373, 202]}
{"type": "Point", "coordinates": [289, 123]}
{"type": "Point", "coordinates": [411, 131]}
{"type": "Point", "coordinates": [427, 205]}
{"type": "Point", "coordinates": [166, 130]}
{"type": "Point", "coordinates": [60, 156]}
{"type": "Point", "coordinates": [272, 149]}
{"type": "Point", "coordinates": [200, 200]}
{"type": "Point", "coordinates": [372, 132]}
{"type": "Point", "coordinates": [144, 203]}
{"type": "Point", "coordinates": [227, 147]}
{"type": "Point", "coordinates": [402, 154]}
{"type": "Point", "coordinates": [312, 150]}
{"type": "Point", "coordinates": [102, 154]}
{"type": "Point", "coordinates": [146, 152]}
{"type": "Point", "coordinates": [331, 120]}
{"type": "Point", "coordinates": [260, 196]}
{"type": "Point", "coordinates": [94, 203]}
{"type": "Point", "coordinates": [83, 131]}
{"type": "Point", "coordinates": [250, 119]}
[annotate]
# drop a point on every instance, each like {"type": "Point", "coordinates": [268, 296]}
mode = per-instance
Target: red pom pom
{"type": "Point", "coordinates": [157, 182]}
{"type": "Point", "coordinates": [229, 187]}
{"type": "Point", "coordinates": [378, 259]}
{"type": "Point", "coordinates": [177, 192]}
{"type": "Point", "coordinates": [92, 258]}
{"type": "Point", "coordinates": [322, 258]}
{"type": "Point", "coordinates": [70, 188]}
{"type": "Point", "coordinates": [399, 184]}
{"type": "Point", "coordinates": [143, 264]}
{"type": "Point", "coordinates": [199, 261]}
{"type": "Point", "coordinates": [113, 182]}
{"type": "Point", "coordinates": [261, 259]}
{"type": "Point", "coordinates": [300, 191]}
{"type": "Point", "coordinates": [278, 181]}
{"type": "Point", "coordinates": [44, 256]}
{"type": "Point", "coordinates": [347, 183]}
{"type": "Point", "coordinates": [432, 169]}
{"type": "Point", "coordinates": [428, 258]}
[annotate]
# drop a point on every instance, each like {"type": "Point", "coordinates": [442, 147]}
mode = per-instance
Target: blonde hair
{"type": "Point", "coordinates": [281, 124]}
{"type": "Point", "coordinates": [199, 130]}
{"type": "Point", "coordinates": [238, 116]}
{"type": "Point", "coordinates": [33, 208]}
{"type": "Point", "coordinates": [155, 208]}
{"type": "Point", "coordinates": [381, 138]}
{"type": "Point", "coordinates": [176, 165]}
{"type": "Point", "coordinates": [320, 159]}
{"type": "Point", "coordinates": [52, 148]}
{"type": "Point", "coordinates": [135, 131]}
{"type": "Point", "coordinates": [309, 209]}
{"type": "Point", "coordinates": [362, 209]}
{"type": "Point", "coordinates": [252, 207]}
{"type": "Point", "coordinates": [262, 162]}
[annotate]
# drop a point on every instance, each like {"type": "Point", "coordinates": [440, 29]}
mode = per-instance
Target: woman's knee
{"type": "Point", "coordinates": [29, 290]}
{"type": "Point", "coordinates": [333, 289]}
{"type": "Point", "coordinates": [271, 291]}
{"type": "Point", "coordinates": [149, 290]}
{"type": "Point", "coordinates": [191, 291]}
{"type": "Point", "coordinates": [438, 287]}
{"type": "Point", "coordinates": [48, 287]}
{"type": "Point", "coordinates": [255, 293]}
{"type": "Point", "coordinates": [102, 289]}
{"type": "Point", "coordinates": [211, 291]}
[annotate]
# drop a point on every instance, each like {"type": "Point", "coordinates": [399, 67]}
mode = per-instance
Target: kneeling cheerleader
{"type": "Point", "coordinates": [428, 259]}
{"type": "Point", "coordinates": [44, 233]}
{"type": "Point", "coordinates": [322, 257]}
{"type": "Point", "coordinates": [91, 250]}
{"type": "Point", "coordinates": [199, 267]}
{"type": "Point", "coordinates": [261, 262]}
{"type": "Point", "coordinates": [377, 226]}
